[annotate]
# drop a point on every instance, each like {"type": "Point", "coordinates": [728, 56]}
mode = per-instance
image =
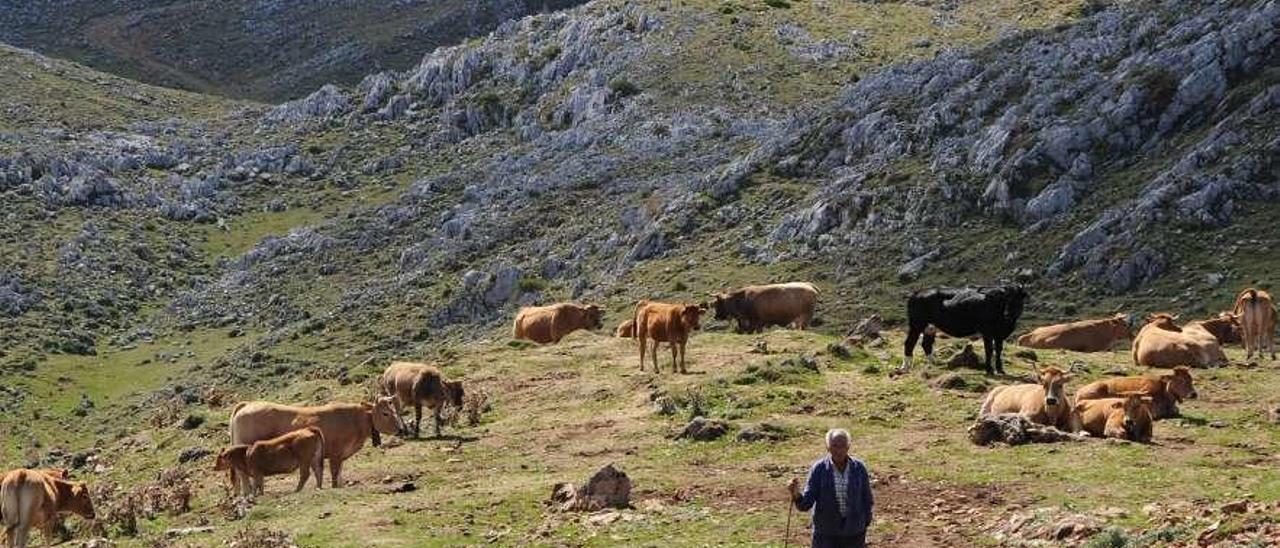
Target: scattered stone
{"type": "Point", "coordinates": [763, 431]}
{"type": "Point", "coordinates": [193, 453]}
{"type": "Point", "coordinates": [703, 429]}
{"type": "Point", "coordinates": [187, 531]}
{"type": "Point", "coordinates": [406, 487]}
{"type": "Point", "coordinates": [1015, 429]}
{"type": "Point", "coordinates": [607, 488]}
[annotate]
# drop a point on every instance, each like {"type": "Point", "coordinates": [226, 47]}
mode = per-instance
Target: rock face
{"type": "Point", "coordinates": [607, 488]}
{"type": "Point", "coordinates": [1014, 429]}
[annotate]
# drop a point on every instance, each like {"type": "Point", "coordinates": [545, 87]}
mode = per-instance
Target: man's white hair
{"type": "Point", "coordinates": [835, 433]}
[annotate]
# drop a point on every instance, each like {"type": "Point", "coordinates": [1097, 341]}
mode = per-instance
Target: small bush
{"type": "Point", "coordinates": [780, 4]}
{"type": "Point", "coordinates": [679, 286]}
{"type": "Point", "coordinates": [623, 87]}
{"type": "Point", "coordinates": [1110, 538]}
{"type": "Point", "coordinates": [192, 422]}
{"type": "Point", "coordinates": [789, 371]}
{"type": "Point", "coordinates": [530, 285]}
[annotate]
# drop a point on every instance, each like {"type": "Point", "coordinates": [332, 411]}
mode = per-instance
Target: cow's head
{"type": "Point", "coordinates": [73, 496]}
{"type": "Point", "coordinates": [227, 457]}
{"type": "Point", "coordinates": [1015, 298]}
{"type": "Point", "coordinates": [1164, 320]}
{"type": "Point", "coordinates": [689, 316]}
{"type": "Point", "coordinates": [720, 304]}
{"type": "Point", "coordinates": [595, 316]}
{"type": "Point", "coordinates": [1054, 382]}
{"type": "Point", "coordinates": [1136, 406]}
{"type": "Point", "coordinates": [1179, 385]}
{"type": "Point", "coordinates": [454, 389]}
{"type": "Point", "coordinates": [1121, 326]}
{"type": "Point", "coordinates": [384, 418]}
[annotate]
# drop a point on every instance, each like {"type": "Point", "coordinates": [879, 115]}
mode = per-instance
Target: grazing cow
{"type": "Point", "coordinates": [989, 311]}
{"type": "Point", "coordinates": [1161, 343]}
{"type": "Point", "coordinates": [32, 498]}
{"type": "Point", "coordinates": [1166, 391]}
{"type": "Point", "coordinates": [1126, 417]}
{"type": "Point", "coordinates": [757, 307]}
{"type": "Point", "coordinates": [1257, 313]}
{"type": "Point", "coordinates": [626, 330]}
{"type": "Point", "coordinates": [1225, 327]}
{"type": "Point", "coordinates": [345, 426]}
{"type": "Point", "coordinates": [669, 323]}
{"type": "Point", "coordinates": [1082, 336]}
{"type": "Point", "coordinates": [300, 450]}
{"type": "Point", "coordinates": [1042, 403]}
{"type": "Point", "coordinates": [417, 384]}
{"type": "Point", "coordinates": [549, 324]}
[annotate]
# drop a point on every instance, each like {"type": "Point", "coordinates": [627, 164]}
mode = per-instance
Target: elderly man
{"type": "Point", "coordinates": [839, 491]}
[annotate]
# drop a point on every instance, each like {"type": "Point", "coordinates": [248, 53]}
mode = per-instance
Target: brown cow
{"type": "Point", "coordinates": [1225, 327]}
{"type": "Point", "coordinates": [300, 450]}
{"type": "Point", "coordinates": [1257, 313]}
{"type": "Point", "coordinates": [757, 307]}
{"type": "Point", "coordinates": [345, 426]}
{"type": "Point", "coordinates": [1127, 417]}
{"type": "Point", "coordinates": [626, 330]}
{"type": "Point", "coordinates": [32, 498]}
{"type": "Point", "coordinates": [417, 384]}
{"type": "Point", "coordinates": [1165, 391]}
{"type": "Point", "coordinates": [670, 323]}
{"type": "Point", "coordinates": [1042, 403]}
{"type": "Point", "coordinates": [1082, 336]}
{"type": "Point", "coordinates": [1161, 343]}
{"type": "Point", "coordinates": [549, 324]}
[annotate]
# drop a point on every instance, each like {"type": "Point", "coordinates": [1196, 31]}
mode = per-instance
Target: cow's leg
{"type": "Point", "coordinates": [653, 355]}
{"type": "Point", "coordinates": [417, 420]}
{"type": "Point", "coordinates": [436, 414]}
{"type": "Point", "coordinates": [999, 344]}
{"type": "Point", "coordinates": [304, 474]}
{"type": "Point", "coordinates": [926, 343]}
{"type": "Point", "coordinates": [683, 350]}
{"type": "Point", "coordinates": [986, 352]}
{"type": "Point", "coordinates": [642, 344]}
{"type": "Point", "coordinates": [675, 357]}
{"type": "Point", "coordinates": [909, 346]}
{"type": "Point", "coordinates": [335, 472]}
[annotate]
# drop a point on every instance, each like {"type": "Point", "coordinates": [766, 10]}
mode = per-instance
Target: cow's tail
{"type": "Point", "coordinates": [317, 462]}
{"type": "Point", "coordinates": [9, 512]}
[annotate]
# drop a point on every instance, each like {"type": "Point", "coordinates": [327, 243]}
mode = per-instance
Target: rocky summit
{"type": "Point", "coordinates": [206, 203]}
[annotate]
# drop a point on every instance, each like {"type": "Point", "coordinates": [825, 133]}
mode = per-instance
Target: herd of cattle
{"type": "Point", "coordinates": [271, 439]}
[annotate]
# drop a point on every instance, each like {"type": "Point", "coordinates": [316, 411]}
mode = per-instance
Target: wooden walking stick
{"type": "Point", "coordinates": [791, 507]}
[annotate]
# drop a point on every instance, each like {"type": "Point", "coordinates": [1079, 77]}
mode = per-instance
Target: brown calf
{"type": "Point", "coordinates": [1165, 391]}
{"type": "Point", "coordinates": [32, 498]}
{"type": "Point", "coordinates": [1127, 417]}
{"type": "Point", "coordinates": [670, 323]}
{"type": "Point", "coordinates": [300, 450]}
{"type": "Point", "coordinates": [1083, 336]}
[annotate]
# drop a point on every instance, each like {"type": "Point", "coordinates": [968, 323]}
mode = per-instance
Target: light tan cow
{"type": "Point", "coordinates": [626, 330]}
{"type": "Point", "coordinates": [549, 324]}
{"type": "Point", "coordinates": [300, 450]}
{"type": "Point", "coordinates": [32, 498]}
{"type": "Point", "coordinates": [1161, 343]}
{"type": "Point", "coordinates": [1127, 417]}
{"type": "Point", "coordinates": [1082, 336]}
{"type": "Point", "coordinates": [1257, 313]}
{"type": "Point", "coordinates": [1042, 403]}
{"type": "Point", "coordinates": [664, 322]}
{"type": "Point", "coordinates": [345, 426]}
{"type": "Point", "coordinates": [1166, 391]}
{"type": "Point", "coordinates": [418, 384]}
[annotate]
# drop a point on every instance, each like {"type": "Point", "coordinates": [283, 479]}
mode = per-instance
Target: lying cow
{"type": "Point", "coordinates": [344, 426]}
{"type": "Point", "coordinates": [1082, 336]}
{"type": "Point", "coordinates": [419, 384]}
{"type": "Point", "coordinates": [1161, 343]}
{"type": "Point", "coordinates": [669, 323]}
{"type": "Point", "coordinates": [248, 465]}
{"type": "Point", "coordinates": [626, 330]}
{"type": "Point", "coordinates": [992, 312]}
{"type": "Point", "coordinates": [1166, 391]}
{"type": "Point", "coordinates": [1257, 313]}
{"type": "Point", "coordinates": [1127, 417]}
{"type": "Point", "coordinates": [32, 498]}
{"type": "Point", "coordinates": [1042, 403]}
{"type": "Point", "coordinates": [549, 324]}
{"type": "Point", "coordinates": [757, 307]}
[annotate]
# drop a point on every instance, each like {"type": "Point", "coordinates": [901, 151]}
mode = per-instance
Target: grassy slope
{"type": "Point", "coordinates": [559, 412]}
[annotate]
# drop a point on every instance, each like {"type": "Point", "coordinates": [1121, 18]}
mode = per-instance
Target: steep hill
{"type": "Point", "coordinates": [172, 253]}
{"type": "Point", "coordinates": [268, 51]}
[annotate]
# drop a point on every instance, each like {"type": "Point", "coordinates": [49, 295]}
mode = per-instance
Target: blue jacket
{"type": "Point", "coordinates": [820, 494]}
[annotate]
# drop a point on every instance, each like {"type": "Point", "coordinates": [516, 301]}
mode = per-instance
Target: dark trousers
{"type": "Point", "coordinates": [840, 541]}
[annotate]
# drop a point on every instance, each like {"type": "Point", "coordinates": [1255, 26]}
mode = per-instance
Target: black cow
{"type": "Point", "coordinates": [960, 312]}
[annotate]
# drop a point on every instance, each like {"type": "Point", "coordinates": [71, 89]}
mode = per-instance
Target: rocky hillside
{"type": "Point", "coordinates": [269, 51]}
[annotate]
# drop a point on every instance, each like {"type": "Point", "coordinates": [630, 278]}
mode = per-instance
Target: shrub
{"type": "Point", "coordinates": [531, 284]}
{"type": "Point", "coordinates": [781, 4]}
{"type": "Point", "coordinates": [623, 87]}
